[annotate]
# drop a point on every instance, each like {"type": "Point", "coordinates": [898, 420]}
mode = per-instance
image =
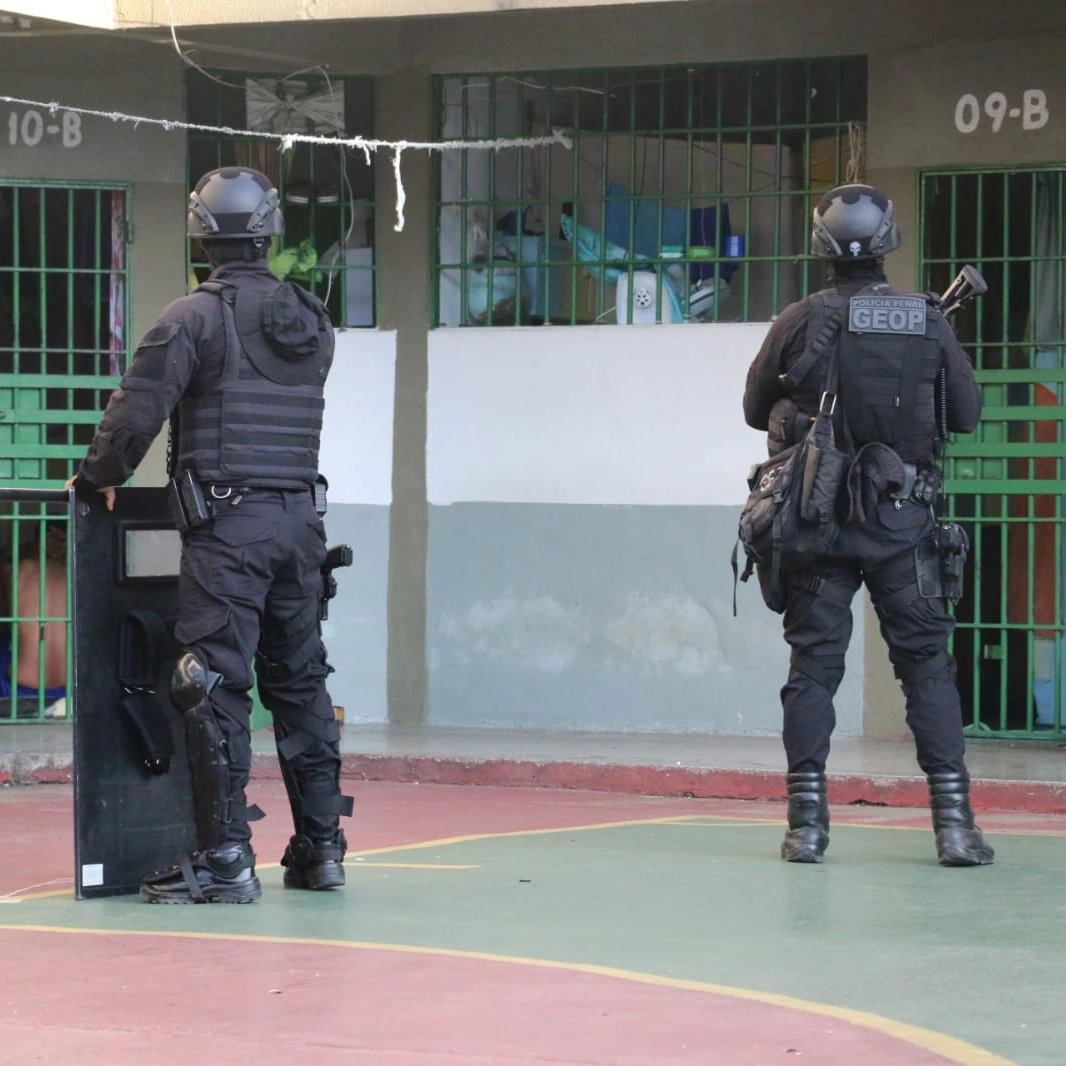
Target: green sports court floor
{"type": "Point", "coordinates": [497, 926]}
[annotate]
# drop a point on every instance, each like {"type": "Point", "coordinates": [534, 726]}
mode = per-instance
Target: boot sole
{"type": "Point", "coordinates": [247, 892]}
{"type": "Point", "coordinates": [318, 884]}
{"type": "Point", "coordinates": [802, 856]}
{"type": "Point", "coordinates": [954, 859]}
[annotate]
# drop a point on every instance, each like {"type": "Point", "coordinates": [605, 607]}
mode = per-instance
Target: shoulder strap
{"type": "Point", "coordinates": [226, 292]}
{"type": "Point", "coordinates": [805, 363]}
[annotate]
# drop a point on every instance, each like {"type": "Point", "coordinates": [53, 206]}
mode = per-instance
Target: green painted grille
{"type": "Point", "coordinates": [34, 605]}
{"type": "Point", "coordinates": [327, 191]}
{"type": "Point", "coordinates": [63, 308]}
{"type": "Point", "coordinates": [686, 195]}
{"type": "Point", "coordinates": [1006, 481]}
{"type": "Point", "coordinates": [63, 345]}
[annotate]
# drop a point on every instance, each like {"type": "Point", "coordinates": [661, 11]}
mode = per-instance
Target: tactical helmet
{"type": "Point", "coordinates": [854, 222]}
{"type": "Point", "coordinates": [234, 203]}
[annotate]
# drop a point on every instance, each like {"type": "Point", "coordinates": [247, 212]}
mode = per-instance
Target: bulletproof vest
{"type": "Point", "coordinates": [889, 358]}
{"type": "Point", "coordinates": [245, 428]}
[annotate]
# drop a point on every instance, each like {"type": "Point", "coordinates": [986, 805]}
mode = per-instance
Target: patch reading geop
{"type": "Point", "coordinates": [887, 314]}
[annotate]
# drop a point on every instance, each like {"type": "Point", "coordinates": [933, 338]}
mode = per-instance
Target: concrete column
{"type": "Point", "coordinates": [403, 110]}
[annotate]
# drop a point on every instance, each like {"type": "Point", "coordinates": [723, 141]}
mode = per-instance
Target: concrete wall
{"type": "Point", "coordinates": [584, 489]}
{"type": "Point", "coordinates": [503, 582]}
{"type": "Point", "coordinates": [356, 459]}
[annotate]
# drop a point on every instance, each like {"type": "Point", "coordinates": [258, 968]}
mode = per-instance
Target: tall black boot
{"type": "Point", "coordinates": [808, 819]}
{"type": "Point", "coordinates": [958, 841]}
{"type": "Point", "coordinates": [315, 864]}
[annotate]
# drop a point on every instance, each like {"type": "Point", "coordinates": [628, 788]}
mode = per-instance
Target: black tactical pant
{"type": "Point", "coordinates": [250, 590]}
{"type": "Point", "coordinates": [818, 625]}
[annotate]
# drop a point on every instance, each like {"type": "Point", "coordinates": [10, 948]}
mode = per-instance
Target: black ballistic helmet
{"type": "Point", "coordinates": [234, 203]}
{"type": "Point", "coordinates": [854, 222]}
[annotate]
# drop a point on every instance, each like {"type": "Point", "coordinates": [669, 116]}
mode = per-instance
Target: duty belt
{"type": "Point", "coordinates": [226, 492]}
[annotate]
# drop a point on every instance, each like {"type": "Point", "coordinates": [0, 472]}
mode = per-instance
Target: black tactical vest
{"type": "Point", "coordinates": [244, 428]}
{"type": "Point", "coordinates": [889, 358]}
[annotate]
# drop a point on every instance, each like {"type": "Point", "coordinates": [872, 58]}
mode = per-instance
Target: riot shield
{"type": "Point", "coordinates": [133, 808]}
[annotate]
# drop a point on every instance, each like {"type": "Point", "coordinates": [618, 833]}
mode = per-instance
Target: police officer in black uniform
{"type": "Point", "coordinates": [238, 367]}
{"type": "Point", "coordinates": [890, 350]}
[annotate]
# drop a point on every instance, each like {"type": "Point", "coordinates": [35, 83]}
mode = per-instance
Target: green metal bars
{"type": "Point", "coordinates": [1006, 482]}
{"type": "Point", "coordinates": [34, 605]}
{"type": "Point", "coordinates": [63, 309]}
{"type": "Point", "coordinates": [686, 195]}
{"type": "Point", "coordinates": [63, 345]}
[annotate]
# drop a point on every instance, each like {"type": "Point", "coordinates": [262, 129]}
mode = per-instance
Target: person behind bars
{"type": "Point", "coordinates": [890, 349]}
{"type": "Point", "coordinates": [238, 366]}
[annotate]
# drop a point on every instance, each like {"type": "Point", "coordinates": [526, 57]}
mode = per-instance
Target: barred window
{"type": "Point", "coordinates": [63, 337]}
{"type": "Point", "coordinates": [686, 195]}
{"type": "Point", "coordinates": [327, 191]}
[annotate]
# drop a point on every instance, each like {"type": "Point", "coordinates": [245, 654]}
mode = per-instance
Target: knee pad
{"type": "Point", "coordinates": [825, 670]}
{"type": "Point", "coordinates": [912, 674]}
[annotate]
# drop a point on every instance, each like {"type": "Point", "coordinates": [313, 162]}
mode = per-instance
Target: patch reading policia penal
{"type": "Point", "coordinates": [887, 314]}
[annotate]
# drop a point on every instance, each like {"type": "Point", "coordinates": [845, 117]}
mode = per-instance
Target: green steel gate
{"type": "Point", "coordinates": [1006, 481]}
{"type": "Point", "coordinates": [63, 344]}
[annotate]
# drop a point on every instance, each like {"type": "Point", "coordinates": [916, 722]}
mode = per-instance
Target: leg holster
{"type": "Point", "coordinates": [220, 816]}
{"type": "Point", "coordinates": [209, 769]}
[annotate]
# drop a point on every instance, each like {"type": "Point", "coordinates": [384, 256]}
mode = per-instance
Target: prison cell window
{"type": "Point", "coordinates": [326, 190]}
{"type": "Point", "coordinates": [685, 197]}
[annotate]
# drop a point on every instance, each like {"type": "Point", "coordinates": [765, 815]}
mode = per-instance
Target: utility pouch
{"type": "Point", "coordinates": [188, 506]}
{"type": "Point", "coordinates": [927, 485]}
{"type": "Point", "coordinates": [787, 425]}
{"type": "Point", "coordinates": [321, 487]}
{"type": "Point", "coordinates": [824, 468]}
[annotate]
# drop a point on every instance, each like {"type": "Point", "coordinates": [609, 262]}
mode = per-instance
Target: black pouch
{"type": "Point", "coordinates": [321, 487]}
{"type": "Point", "coordinates": [787, 425]}
{"type": "Point", "coordinates": [927, 485]}
{"type": "Point", "coordinates": [824, 469]}
{"type": "Point", "coordinates": [188, 506]}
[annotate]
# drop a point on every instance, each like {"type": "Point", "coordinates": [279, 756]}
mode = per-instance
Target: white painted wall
{"type": "Point", "coordinates": [356, 448]}
{"type": "Point", "coordinates": [591, 415]}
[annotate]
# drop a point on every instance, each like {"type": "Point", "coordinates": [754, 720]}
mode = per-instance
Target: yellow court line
{"type": "Point", "coordinates": [416, 865]}
{"type": "Point", "coordinates": [56, 892]}
{"type": "Point", "coordinates": [712, 821]}
{"type": "Point", "coordinates": [469, 838]}
{"type": "Point", "coordinates": [949, 1047]}
{"type": "Point", "coordinates": [708, 821]}
{"type": "Point", "coordinates": [36, 895]}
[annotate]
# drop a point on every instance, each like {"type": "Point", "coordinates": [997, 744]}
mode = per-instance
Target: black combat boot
{"type": "Point", "coordinates": [315, 864]}
{"type": "Point", "coordinates": [958, 841]}
{"type": "Point", "coordinates": [808, 819]}
{"type": "Point", "coordinates": [225, 874]}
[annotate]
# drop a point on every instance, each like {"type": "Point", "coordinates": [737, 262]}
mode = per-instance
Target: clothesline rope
{"type": "Point", "coordinates": [286, 141]}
